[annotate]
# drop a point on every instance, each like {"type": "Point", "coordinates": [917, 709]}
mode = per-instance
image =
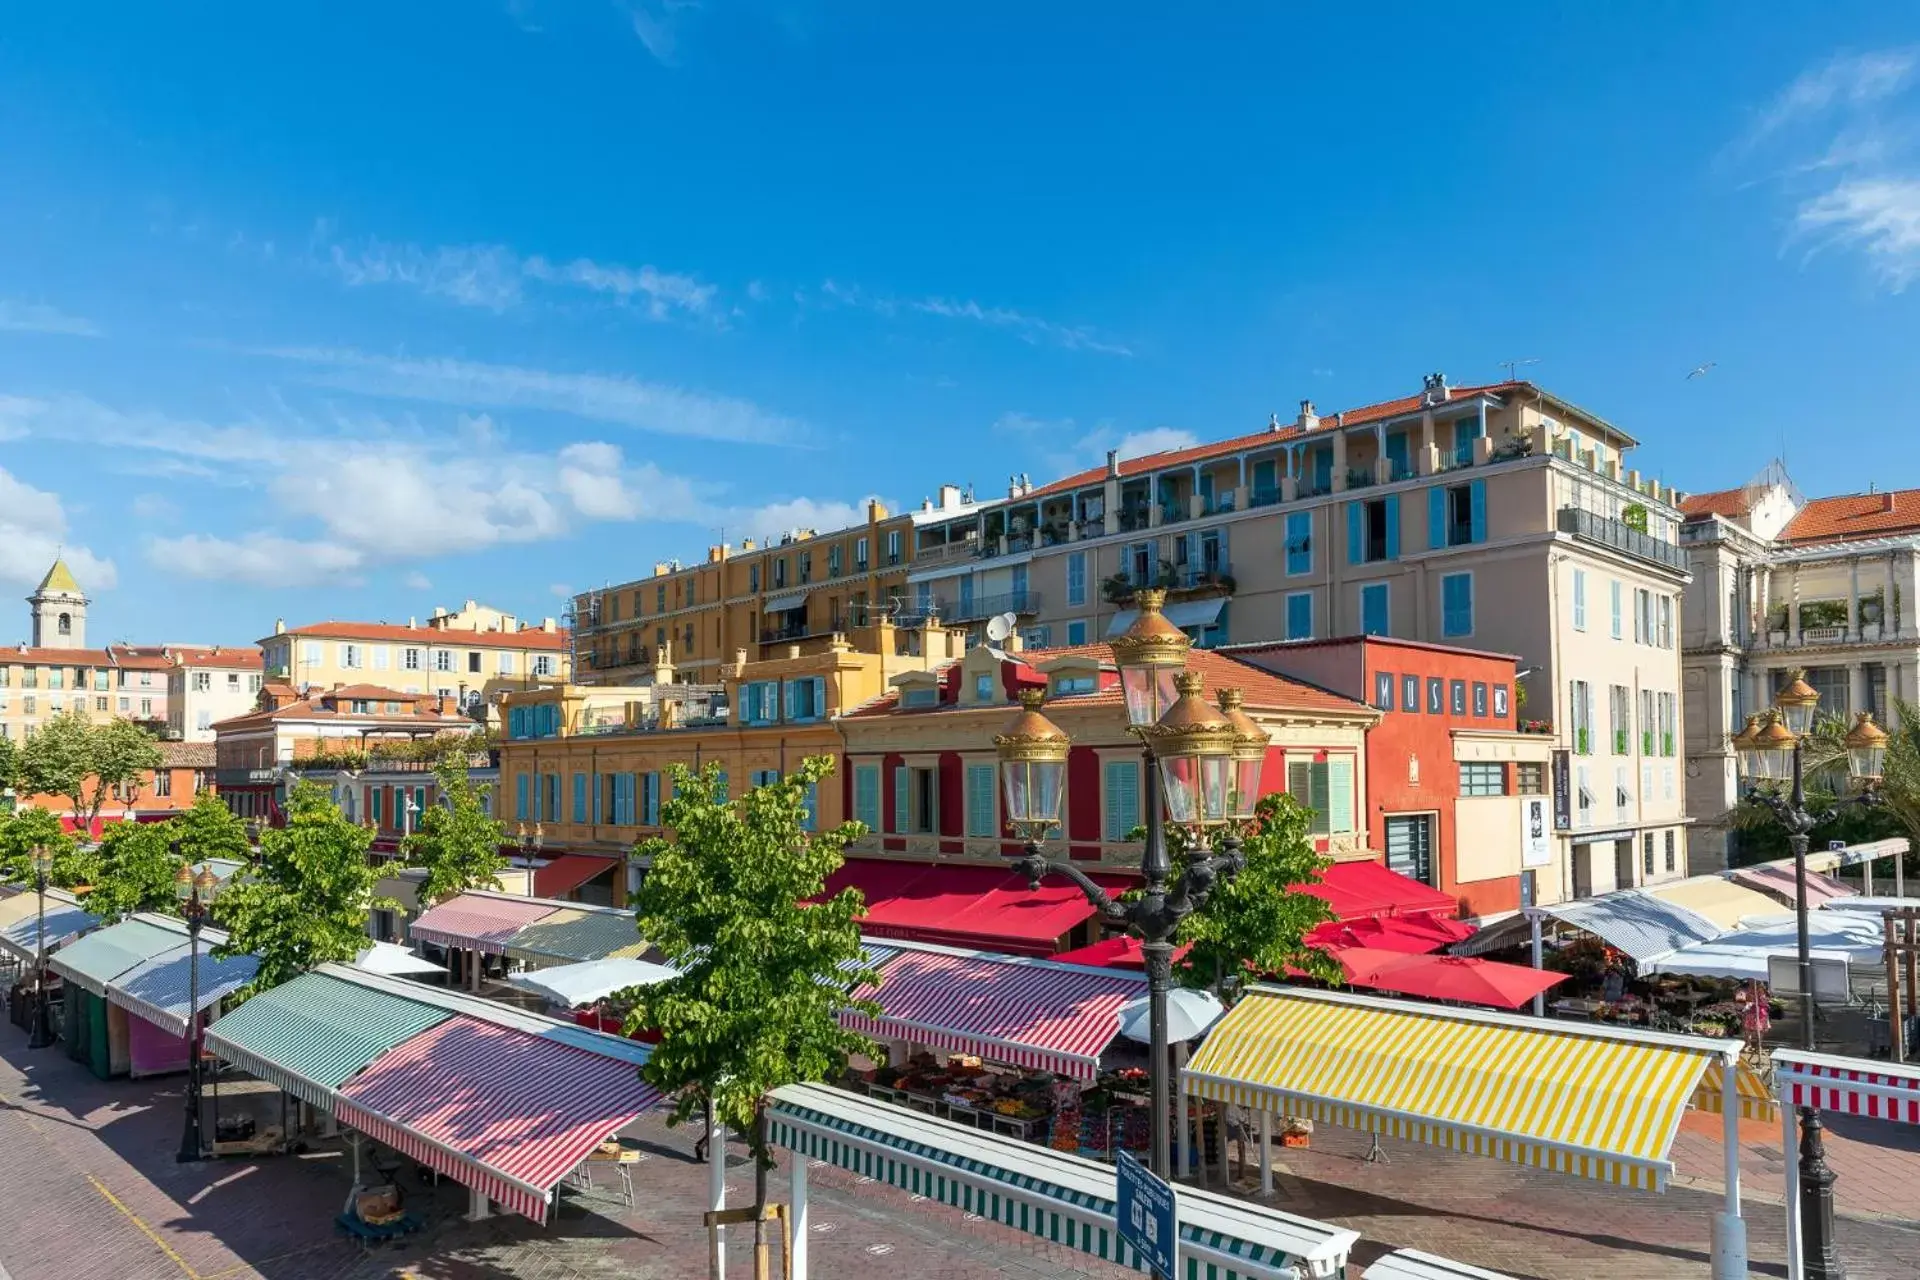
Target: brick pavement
{"type": "Point", "coordinates": [88, 1187]}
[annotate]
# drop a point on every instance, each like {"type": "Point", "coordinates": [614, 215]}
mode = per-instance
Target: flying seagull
{"type": "Point", "coordinates": [1700, 372]}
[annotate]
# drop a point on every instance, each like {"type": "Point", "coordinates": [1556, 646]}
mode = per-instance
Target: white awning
{"type": "Point", "coordinates": [1185, 615]}
{"type": "Point", "coordinates": [792, 600]}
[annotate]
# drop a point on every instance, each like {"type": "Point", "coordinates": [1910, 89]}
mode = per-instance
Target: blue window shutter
{"type": "Point", "coordinates": [1436, 518]}
{"type": "Point", "coordinates": [579, 797]}
{"type": "Point", "coordinates": [1356, 530]}
{"type": "Point", "coordinates": [1122, 799]}
{"type": "Point", "coordinates": [1479, 492]}
{"type": "Point", "coordinates": [599, 798]}
{"type": "Point", "coordinates": [812, 821]}
{"type": "Point", "coordinates": [866, 795]}
{"type": "Point", "coordinates": [1340, 795]}
{"type": "Point", "coordinates": [790, 700]}
{"type": "Point", "coordinates": [720, 791]}
{"type": "Point", "coordinates": [1393, 526]}
{"type": "Point", "coordinates": [519, 799]}
{"type": "Point", "coordinates": [902, 787]}
{"type": "Point", "coordinates": [819, 697]}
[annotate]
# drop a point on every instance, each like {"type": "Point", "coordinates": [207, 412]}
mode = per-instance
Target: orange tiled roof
{"type": "Point", "coordinates": [1220, 448]}
{"type": "Point", "coordinates": [370, 692]}
{"type": "Point", "coordinates": [240, 658]}
{"type": "Point", "coordinates": [186, 755]}
{"type": "Point", "coordinates": [421, 711]}
{"type": "Point", "coordinates": [1855, 515]}
{"type": "Point", "coordinates": [1730, 503]}
{"type": "Point", "coordinates": [446, 637]}
{"type": "Point", "coordinates": [1264, 690]}
{"type": "Point", "coordinates": [132, 659]}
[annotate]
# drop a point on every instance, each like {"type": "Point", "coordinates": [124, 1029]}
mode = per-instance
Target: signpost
{"type": "Point", "coordinates": [1144, 1212]}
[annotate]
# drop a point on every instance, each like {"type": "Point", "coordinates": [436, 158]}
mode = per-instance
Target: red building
{"type": "Point", "coordinates": [1454, 792]}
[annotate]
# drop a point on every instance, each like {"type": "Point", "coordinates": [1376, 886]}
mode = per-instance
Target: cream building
{"type": "Point", "coordinates": [1783, 583]}
{"type": "Point", "coordinates": [1492, 517]}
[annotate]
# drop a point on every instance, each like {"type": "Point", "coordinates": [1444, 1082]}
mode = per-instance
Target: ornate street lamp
{"type": "Point", "coordinates": [1165, 710]}
{"type": "Point", "coordinates": [1770, 757]}
{"type": "Point", "coordinates": [1249, 759]}
{"type": "Point", "coordinates": [196, 893]}
{"type": "Point", "coordinates": [42, 1035]}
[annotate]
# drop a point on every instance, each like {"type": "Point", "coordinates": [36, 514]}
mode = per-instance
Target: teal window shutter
{"type": "Point", "coordinates": [866, 795]}
{"type": "Point", "coordinates": [1356, 533]}
{"type": "Point", "coordinates": [1393, 526]}
{"type": "Point", "coordinates": [902, 789]}
{"type": "Point", "coordinates": [790, 705]}
{"type": "Point", "coordinates": [819, 697]}
{"type": "Point", "coordinates": [519, 799]}
{"type": "Point", "coordinates": [1318, 789]}
{"type": "Point", "coordinates": [579, 797]}
{"type": "Point", "coordinates": [1340, 795]}
{"type": "Point", "coordinates": [811, 821]}
{"type": "Point", "coordinates": [1121, 796]}
{"type": "Point", "coordinates": [1479, 500]}
{"type": "Point", "coordinates": [980, 824]}
{"type": "Point", "coordinates": [599, 796]}
{"type": "Point", "coordinates": [1300, 616]}
{"type": "Point", "coordinates": [720, 792]}
{"type": "Point", "coordinates": [1436, 517]}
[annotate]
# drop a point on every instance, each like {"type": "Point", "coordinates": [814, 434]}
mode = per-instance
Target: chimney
{"type": "Point", "coordinates": [1014, 643]}
{"type": "Point", "coordinates": [793, 651]}
{"type": "Point", "coordinates": [1434, 389]}
{"type": "Point", "coordinates": [949, 496]}
{"type": "Point", "coordinates": [746, 544]}
{"type": "Point", "coordinates": [439, 612]}
{"type": "Point", "coordinates": [876, 511]}
{"type": "Point", "coordinates": [1113, 464]}
{"type": "Point", "coordinates": [1886, 502]}
{"type": "Point", "coordinates": [1273, 423]}
{"type": "Point", "coordinates": [279, 626]}
{"type": "Point", "coordinates": [546, 625]}
{"type": "Point", "coordinates": [1308, 419]}
{"type": "Point", "coordinates": [662, 664]}
{"type": "Point", "coordinates": [413, 623]}
{"type": "Point", "coordinates": [471, 606]}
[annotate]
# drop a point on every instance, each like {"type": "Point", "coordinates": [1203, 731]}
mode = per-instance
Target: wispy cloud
{"type": "Point", "coordinates": [623, 401]}
{"type": "Point", "coordinates": [1847, 81]}
{"type": "Point", "coordinates": [37, 317]}
{"type": "Point", "coordinates": [1065, 447]}
{"type": "Point", "coordinates": [656, 24]}
{"type": "Point", "coordinates": [416, 581]}
{"type": "Point", "coordinates": [1878, 216]}
{"type": "Point", "coordinates": [1028, 328]}
{"type": "Point", "coordinates": [494, 277]}
{"type": "Point", "coordinates": [33, 530]}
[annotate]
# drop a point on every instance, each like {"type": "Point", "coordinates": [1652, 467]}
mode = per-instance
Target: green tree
{"type": "Point", "coordinates": [9, 764]}
{"type": "Point", "coordinates": [208, 829]}
{"type": "Point", "coordinates": [455, 842]}
{"type": "Point", "coordinates": [308, 899]}
{"type": "Point", "coordinates": [762, 978]}
{"type": "Point", "coordinates": [1256, 921]}
{"type": "Point", "coordinates": [84, 760]}
{"type": "Point", "coordinates": [25, 830]}
{"type": "Point", "coordinates": [132, 869]}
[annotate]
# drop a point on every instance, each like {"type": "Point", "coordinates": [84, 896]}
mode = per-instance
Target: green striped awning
{"type": "Point", "coordinates": [99, 958]}
{"type": "Point", "coordinates": [1060, 1198]}
{"type": "Point", "coordinates": [308, 1035]}
{"type": "Point", "coordinates": [578, 934]}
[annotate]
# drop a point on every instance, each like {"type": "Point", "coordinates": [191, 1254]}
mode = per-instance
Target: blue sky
{"type": "Point", "coordinates": [335, 310]}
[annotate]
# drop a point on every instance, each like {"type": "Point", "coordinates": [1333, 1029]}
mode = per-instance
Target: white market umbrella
{"type": "Point", "coordinates": [1189, 1013]}
{"type": "Point", "coordinates": [395, 962]}
{"type": "Point", "coordinates": [574, 985]}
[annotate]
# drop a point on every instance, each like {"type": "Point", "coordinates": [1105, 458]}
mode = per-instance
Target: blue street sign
{"type": "Point", "coordinates": [1143, 1210]}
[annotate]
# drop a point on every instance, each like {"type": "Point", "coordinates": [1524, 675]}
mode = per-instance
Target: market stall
{"type": "Point", "coordinates": [96, 1030]}
{"type": "Point", "coordinates": [161, 995]}
{"type": "Point", "coordinates": [1723, 900]}
{"type": "Point", "coordinates": [21, 923]}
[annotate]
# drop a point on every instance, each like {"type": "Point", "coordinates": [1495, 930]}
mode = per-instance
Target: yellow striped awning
{"type": "Point", "coordinates": [1591, 1101]}
{"type": "Point", "coordinates": [1756, 1100]}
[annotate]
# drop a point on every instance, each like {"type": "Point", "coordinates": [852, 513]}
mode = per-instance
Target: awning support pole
{"type": "Point", "coordinates": [717, 1190]}
{"type": "Point", "coordinates": [1539, 997]}
{"type": "Point", "coordinates": [1183, 1169]}
{"type": "Point", "coordinates": [1790, 1143]}
{"type": "Point", "coordinates": [797, 1227]}
{"type": "Point", "coordinates": [1266, 1152]}
{"type": "Point", "coordinates": [478, 1207]}
{"type": "Point", "coordinates": [1729, 1228]}
{"type": "Point", "coordinates": [1900, 874]}
{"type": "Point", "coordinates": [1867, 876]}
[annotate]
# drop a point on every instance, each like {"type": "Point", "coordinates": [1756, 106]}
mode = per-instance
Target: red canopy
{"type": "Point", "coordinates": [1359, 889]}
{"type": "Point", "coordinates": [1464, 978]}
{"type": "Point", "coordinates": [978, 907]}
{"type": "Point", "coordinates": [1122, 952]}
{"type": "Point", "coordinates": [568, 872]}
{"type": "Point", "coordinates": [1413, 935]}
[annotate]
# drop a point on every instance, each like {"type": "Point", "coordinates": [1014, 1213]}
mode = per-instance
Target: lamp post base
{"type": "Point", "coordinates": [1819, 1254]}
{"type": "Point", "coordinates": [41, 1037]}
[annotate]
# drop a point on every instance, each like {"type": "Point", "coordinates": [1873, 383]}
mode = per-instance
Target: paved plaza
{"type": "Point", "coordinates": [91, 1189]}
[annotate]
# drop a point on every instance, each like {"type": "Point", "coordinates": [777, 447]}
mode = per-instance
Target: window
{"type": "Point", "coordinates": [1457, 697]}
{"type": "Point", "coordinates": [473, 663]}
{"type": "Point", "coordinates": [982, 823]}
{"type": "Point", "coordinates": [759, 702]}
{"type": "Point", "coordinates": [919, 699]}
{"type": "Point", "coordinates": [202, 681]}
{"type": "Point", "coordinates": [443, 660]}
{"type": "Point", "coordinates": [1579, 599]}
{"type": "Point", "coordinates": [1622, 791]}
{"type": "Point", "coordinates": [1499, 702]}
{"type": "Point", "coordinates": [350, 655]}
{"type": "Point", "coordinates": [833, 562]}
{"type": "Point", "coordinates": [1374, 611]}
{"type": "Point", "coordinates": [1077, 578]}
{"type": "Point", "coordinates": [1373, 530]}
{"type": "Point", "coordinates": [126, 704]}
{"type": "Point", "coordinates": [1478, 778]}
{"type": "Point", "coordinates": [1619, 718]}
{"type": "Point", "coordinates": [916, 801]}
{"type": "Point", "coordinates": [650, 799]}
{"type": "Point", "coordinates": [310, 653]}
{"type": "Point", "coordinates": [202, 719]}
{"type": "Point", "coordinates": [660, 594]}
{"type": "Point", "coordinates": [1614, 594]}
{"type": "Point", "coordinates": [893, 547]}
{"type": "Point", "coordinates": [1457, 515]}
{"type": "Point", "coordinates": [1664, 711]}
{"type": "Point", "coordinates": [806, 698]}
{"type": "Point", "coordinates": [1479, 700]}
{"type": "Point", "coordinates": [1383, 690]}
{"type": "Point", "coordinates": [253, 683]}
{"type": "Point", "coordinates": [1076, 633]}
{"type": "Point", "coordinates": [1530, 778]}
{"type": "Point", "coordinates": [1325, 788]}
{"type": "Point", "coordinates": [1581, 703]}
{"type": "Point", "coordinates": [983, 687]}
{"type": "Point", "coordinates": [1299, 543]}
{"type": "Point", "coordinates": [1410, 694]}
{"type": "Point", "coordinates": [1646, 854]}
{"type": "Point", "coordinates": [1583, 797]}
{"type": "Point", "coordinates": [866, 796]}
{"type": "Point", "coordinates": [753, 578]}
{"type": "Point", "coordinates": [410, 659]}
{"type": "Point", "coordinates": [859, 555]}
{"type": "Point", "coordinates": [1456, 604]}
{"type": "Point", "coordinates": [1642, 616]}
{"type": "Point", "coordinates": [100, 704]}
{"type": "Point", "coordinates": [505, 663]}
{"type": "Point", "coordinates": [163, 782]}
{"type": "Point", "coordinates": [1436, 696]}
{"type": "Point", "coordinates": [1646, 722]}
{"type": "Point", "coordinates": [543, 665]}
{"type": "Point", "coordinates": [1410, 846]}
{"type": "Point", "coordinates": [1068, 686]}
{"type": "Point", "coordinates": [1119, 799]}
{"type": "Point", "coordinates": [763, 777]}
{"type": "Point", "coordinates": [806, 567]}
{"type": "Point", "coordinates": [1300, 615]}
{"type": "Point", "coordinates": [27, 704]}
{"type": "Point", "coordinates": [519, 798]}
{"type": "Point", "coordinates": [1670, 855]}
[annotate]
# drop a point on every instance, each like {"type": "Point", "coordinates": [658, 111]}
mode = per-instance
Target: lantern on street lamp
{"type": "Point", "coordinates": [1866, 746]}
{"type": "Point", "coordinates": [1193, 745]}
{"type": "Point", "coordinates": [1150, 653]}
{"type": "Point", "coordinates": [1249, 756]}
{"type": "Point", "coordinates": [1772, 750]}
{"type": "Point", "coordinates": [1033, 769]}
{"type": "Point", "coordinates": [1797, 702]}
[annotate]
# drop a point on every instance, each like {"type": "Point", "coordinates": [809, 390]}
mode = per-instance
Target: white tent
{"type": "Point", "coordinates": [574, 985]}
{"type": "Point", "coordinates": [1742, 953]}
{"type": "Point", "coordinates": [395, 962]}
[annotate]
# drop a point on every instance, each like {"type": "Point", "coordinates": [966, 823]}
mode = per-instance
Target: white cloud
{"type": "Point", "coordinates": [389, 501]}
{"type": "Point", "coordinates": [416, 581]}
{"type": "Point", "coordinates": [1880, 217]}
{"type": "Point", "coordinates": [656, 24]}
{"type": "Point", "coordinates": [630, 402]}
{"type": "Point", "coordinates": [495, 277]}
{"type": "Point", "coordinates": [797, 513]}
{"type": "Point", "coordinates": [263, 558]}
{"type": "Point", "coordinates": [1031, 329]}
{"type": "Point", "coordinates": [152, 506]}
{"type": "Point", "coordinates": [1139, 444]}
{"type": "Point", "coordinates": [1848, 81]}
{"type": "Point", "coordinates": [659, 292]}
{"type": "Point", "coordinates": [37, 317]}
{"type": "Point", "coordinates": [757, 291]}
{"type": "Point", "coordinates": [561, 590]}
{"type": "Point", "coordinates": [590, 476]}
{"type": "Point", "coordinates": [33, 528]}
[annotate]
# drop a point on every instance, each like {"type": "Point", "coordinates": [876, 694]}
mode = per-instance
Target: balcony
{"type": "Point", "coordinates": [1178, 581]}
{"type": "Point", "coordinates": [790, 631]}
{"type": "Point", "coordinates": [1615, 536]}
{"type": "Point", "coordinates": [944, 553]}
{"type": "Point", "coordinates": [972, 609]}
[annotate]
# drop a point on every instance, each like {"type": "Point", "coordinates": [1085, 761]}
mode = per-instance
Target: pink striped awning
{"type": "Point", "coordinates": [1778, 882]}
{"type": "Point", "coordinates": [478, 921]}
{"type": "Point", "coordinates": [1855, 1086]}
{"type": "Point", "coordinates": [1027, 1013]}
{"type": "Point", "coordinates": [503, 1111]}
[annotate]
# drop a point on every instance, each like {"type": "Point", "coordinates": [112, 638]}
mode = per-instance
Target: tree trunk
{"type": "Point", "coordinates": [760, 1160]}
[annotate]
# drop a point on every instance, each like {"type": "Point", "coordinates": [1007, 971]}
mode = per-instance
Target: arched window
{"type": "Point", "coordinates": [66, 624]}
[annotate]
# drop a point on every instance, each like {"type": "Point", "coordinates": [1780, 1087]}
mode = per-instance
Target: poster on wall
{"type": "Point", "coordinates": [1536, 840]}
{"type": "Point", "coordinates": [1562, 792]}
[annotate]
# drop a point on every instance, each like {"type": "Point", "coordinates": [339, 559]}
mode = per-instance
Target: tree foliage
{"type": "Point", "coordinates": [208, 829]}
{"type": "Point", "coordinates": [307, 901]}
{"type": "Point", "coordinates": [1255, 922]}
{"type": "Point", "coordinates": [84, 760]}
{"type": "Point", "coordinates": [456, 843]}
{"type": "Point", "coordinates": [131, 869]}
{"type": "Point", "coordinates": [762, 977]}
{"type": "Point", "coordinates": [22, 832]}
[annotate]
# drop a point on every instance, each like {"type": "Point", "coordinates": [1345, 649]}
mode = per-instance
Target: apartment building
{"type": "Point", "coordinates": [186, 768]}
{"type": "Point", "coordinates": [803, 587]}
{"type": "Point", "coordinates": [207, 685]}
{"type": "Point", "coordinates": [1783, 583]}
{"type": "Point", "coordinates": [472, 656]}
{"type": "Point", "coordinates": [588, 764]}
{"type": "Point", "coordinates": [1495, 517]}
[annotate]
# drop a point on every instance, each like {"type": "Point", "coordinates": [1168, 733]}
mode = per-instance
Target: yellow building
{"type": "Point", "coordinates": [473, 656]}
{"type": "Point", "coordinates": [589, 763]}
{"type": "Point", "coordinates": [804, 587]}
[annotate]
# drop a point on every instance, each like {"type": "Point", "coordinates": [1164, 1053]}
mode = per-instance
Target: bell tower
{"type": "Point", "coordinates": [59, 610]}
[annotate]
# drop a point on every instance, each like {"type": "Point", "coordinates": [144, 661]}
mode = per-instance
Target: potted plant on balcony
{"type": "Point", "coordinates": [1634, 516]}
{"type": "Point", "coordinates": [1118, 589]}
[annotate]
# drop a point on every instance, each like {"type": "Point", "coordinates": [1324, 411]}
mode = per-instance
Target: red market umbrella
{"type": "Point", "coordinates": [1122, 952]}
{"type": "Point", "coordinates": [1413, 935]}
{"type": "Point", "coordinates": [1467, 979]}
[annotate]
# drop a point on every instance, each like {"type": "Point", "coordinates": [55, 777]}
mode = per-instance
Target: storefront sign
{"type": "Point", "coordinates": [1562, 791]}
{"type": "Point", "coordinates": [1144, 1213]}
{"type": "Point", "coordinates": [1536, 841]}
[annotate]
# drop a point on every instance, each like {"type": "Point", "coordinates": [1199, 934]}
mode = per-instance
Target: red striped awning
{"type": "Point", "coordinates": [1855, 1086]}
{"type": "Point", "coordinates": [506, 1112]}
{"type": "Point", "coordinates": [1027, 1013]}
{"type": "Point", "coordinates": [478, 921]}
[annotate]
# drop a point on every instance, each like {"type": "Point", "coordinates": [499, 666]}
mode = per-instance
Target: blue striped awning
{"type": "Point", "coordinates": [96, 960]}
{"type": "Point", "coordinates": [1057, 1197]}
{"type": "Point", "coordinates": [157, 989]}
{"type": "Point", "coordinates": [64, 922]}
